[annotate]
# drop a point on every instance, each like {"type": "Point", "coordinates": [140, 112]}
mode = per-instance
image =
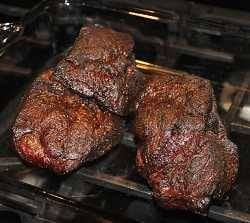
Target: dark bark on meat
{"type": "Point", "coordinates": [101, 66]}
{"type": "Point", "coordinates": [57, 129]}
{"type": "Point", "coordinates": [183, 150]}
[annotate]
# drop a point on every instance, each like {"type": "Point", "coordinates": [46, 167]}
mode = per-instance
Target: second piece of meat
{"type": "Point", "coordinates": [57, 129]}
{"type": "Point", "coordinates": [183, 150]}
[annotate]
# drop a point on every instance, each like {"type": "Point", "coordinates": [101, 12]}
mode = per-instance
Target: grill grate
{"type": "Point", "coordinates": [98, 189]}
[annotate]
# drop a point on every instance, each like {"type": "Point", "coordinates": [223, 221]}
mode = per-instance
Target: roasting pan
{"type": "Point", "coordinates": [170, 40]}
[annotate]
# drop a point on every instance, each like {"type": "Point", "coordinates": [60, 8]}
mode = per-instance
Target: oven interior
{"type": "Point", "coordinates": [185, 36]}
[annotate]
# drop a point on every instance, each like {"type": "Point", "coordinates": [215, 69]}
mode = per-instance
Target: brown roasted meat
{"type": "Point", "coordinates": [101, 66]}
{"type": "Point", "coordinates": [57, 129]}
{"type": "Point", "coordinates": [183, 150]}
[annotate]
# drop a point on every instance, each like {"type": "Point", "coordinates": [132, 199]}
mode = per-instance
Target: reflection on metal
{"type": "Point", "coordinates": [12, 10]}
{"type": "Point", "coordinates": [205, 53]}
{"type": "Point", "coordinates": [152, 68]}
{"type": "Point", "coordinates": [9, 32]}
{"type": "Point", "coordinates": [240, 127]}
{"type": "Point", "coordinates": [144, 15]}
{"type": "Point", "coordinates": [115, 183]}
{"type": "Point", "coordinates": [225, 215]}
{"type": "Point", "coordinates": [237, 101]}
{"type": "Point", "coordinates": [217, 213]}
{"type": "Point", "coordinates": [67, 3]}
{"type": "Point", "coordinates": [39, 197]}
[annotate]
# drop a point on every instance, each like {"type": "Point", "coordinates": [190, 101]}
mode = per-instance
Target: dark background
{"type": "Point", "coordinates": [21, 3]}
{"type": "Point", "coordinates": [241, 5]}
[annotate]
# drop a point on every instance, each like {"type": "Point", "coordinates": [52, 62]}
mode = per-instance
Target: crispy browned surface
{"type": "Point", "coordinates": [101, 65]}
{"type": "Point", "coordinates": [56, 129]}
{"type": "Point", "coordinates": [183, 150]}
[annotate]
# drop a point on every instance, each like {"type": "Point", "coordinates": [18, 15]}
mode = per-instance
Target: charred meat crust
{"type": "Point", "coordinates": [59, 130]}
{"type": "Point", "coordinates": [183, 150]}
{"type": "Point", "coordinates": [101, 66]}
